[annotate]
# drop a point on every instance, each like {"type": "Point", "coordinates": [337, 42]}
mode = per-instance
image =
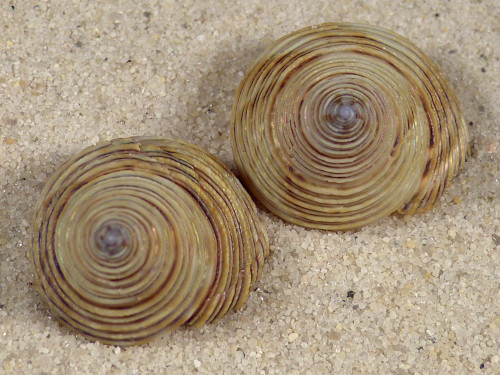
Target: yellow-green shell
{"type": "Point", "coordinates": [337, 125]}
{"type": "Point", "coordinates": [137, 236]}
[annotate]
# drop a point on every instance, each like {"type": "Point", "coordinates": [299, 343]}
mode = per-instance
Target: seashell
{"type": "Point", "coordinates": [335, 126]}
{"type": "Point", "coordinates": [141, 235]}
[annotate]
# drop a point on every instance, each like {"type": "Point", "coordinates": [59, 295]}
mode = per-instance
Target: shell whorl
{"type": "Point", "coordinates": [141, 235]}
{"type": "Point", "coordinates": [337, 125]}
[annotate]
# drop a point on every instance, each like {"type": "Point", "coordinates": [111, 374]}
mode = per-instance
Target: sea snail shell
{"type": "Point", "coordinates": [141, 235]}
{"type": "Point", "coordinates": [335, 126]}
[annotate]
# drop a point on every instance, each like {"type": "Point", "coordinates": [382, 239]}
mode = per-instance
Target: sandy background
{"type": "Point", "coordinates": [425, 289]}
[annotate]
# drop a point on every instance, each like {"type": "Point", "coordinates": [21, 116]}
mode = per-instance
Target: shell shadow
{"type": "Point", "coordinates": [217, 88]}
{"type": "Point", "coordinates": [23, 194]}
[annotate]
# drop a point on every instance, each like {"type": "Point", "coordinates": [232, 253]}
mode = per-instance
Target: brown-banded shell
{"type": "Point", "coordinates": [335, 126]}
{"type": "Point", "coordinates": [141, 235]}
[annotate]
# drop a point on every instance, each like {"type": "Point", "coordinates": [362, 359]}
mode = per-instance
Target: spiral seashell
{"type": "Point", "coordinates": [335, 126]}
{"type": "Point", "coordinates": [141, 235]}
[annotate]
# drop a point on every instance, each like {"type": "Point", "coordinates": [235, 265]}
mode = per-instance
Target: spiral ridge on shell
{"type": "Point", "coordinates": [337, 125]}
{"type": "Point", "coordinates": [140, 235]}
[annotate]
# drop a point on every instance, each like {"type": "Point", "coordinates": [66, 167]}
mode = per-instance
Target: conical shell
{"type": "Point", "coordinates": [141, 235]}
{"type": "Point", "coordinates": [335, 126]}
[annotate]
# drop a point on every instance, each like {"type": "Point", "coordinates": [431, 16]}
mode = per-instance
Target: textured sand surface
{"type": "Point", "coordinates": [409, 295]}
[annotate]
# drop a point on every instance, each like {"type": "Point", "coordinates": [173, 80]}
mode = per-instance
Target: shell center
{"type": "Point", "coordinates": [342, 114]}
{"type": "Point", "coordinates": [346, 112]}
{"type": "Point", "coordinates": [111, 239]}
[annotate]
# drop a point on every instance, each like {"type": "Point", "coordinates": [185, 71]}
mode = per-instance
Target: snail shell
{"type": "Point", "coordinates": [335, 126]}
{"type": "Point", "coordinates": [141, 235]}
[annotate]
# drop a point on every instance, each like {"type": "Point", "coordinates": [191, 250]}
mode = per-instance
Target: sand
{"type": "Point", "coordinates": [407, 295]}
